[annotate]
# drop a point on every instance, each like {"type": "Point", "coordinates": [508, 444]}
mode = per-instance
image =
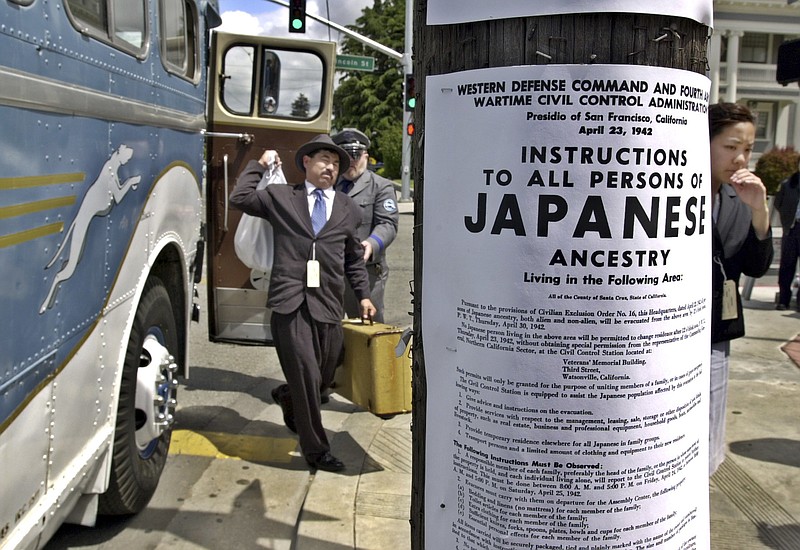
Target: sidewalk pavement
{"type": "Point", "coordinates": [754, 496]}
{"type": "Point", "coordinates": [369, 508]}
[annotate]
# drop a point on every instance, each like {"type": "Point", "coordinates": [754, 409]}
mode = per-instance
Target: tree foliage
{"type": "Point", "coordinates": [776, 165]}
{"type": "Point", "coordinates": [301, 106]}
{"type": "Point", "coordinates": [373, 101]}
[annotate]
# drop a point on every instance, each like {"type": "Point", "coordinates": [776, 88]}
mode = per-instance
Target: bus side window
{"type": "Point", "coordinates": [129, 24]}
{"type": "Point", "coordinates": [93, 13]}
{"type": "Point", "coordinates": [178, 37]}
{"type": "Point", "coordinates": [236, 80]}
{"type": "Point", "coordinates": [126, 31]}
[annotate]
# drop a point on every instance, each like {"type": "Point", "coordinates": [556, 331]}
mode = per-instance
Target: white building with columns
{"type": "Point", "coordinates": [742, 57]}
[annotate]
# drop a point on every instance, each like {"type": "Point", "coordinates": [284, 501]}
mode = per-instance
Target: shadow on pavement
{"type": "Point", "coordinates": [769, 449]}
{"type": "Point", "coordinates": [780, 537]}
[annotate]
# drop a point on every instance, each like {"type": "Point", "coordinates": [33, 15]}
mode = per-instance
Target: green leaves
{"type": "Point", "coordinates": [776, 165]}
{"type": "Point", "coordinates": [373, 102]}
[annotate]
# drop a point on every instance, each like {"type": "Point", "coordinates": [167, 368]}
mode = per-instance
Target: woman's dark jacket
{"type": "Point", "coordinates": [735, 245]}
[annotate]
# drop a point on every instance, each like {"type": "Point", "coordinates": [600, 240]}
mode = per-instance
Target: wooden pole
{"type": "Point", "coordinates": [602, 38]}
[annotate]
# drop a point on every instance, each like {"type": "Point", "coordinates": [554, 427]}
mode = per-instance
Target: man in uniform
{"type": "Point", "coordinates": [376, 198]}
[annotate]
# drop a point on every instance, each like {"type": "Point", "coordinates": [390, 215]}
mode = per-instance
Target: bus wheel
{"type": "Point", "coordinates": [146, 405]}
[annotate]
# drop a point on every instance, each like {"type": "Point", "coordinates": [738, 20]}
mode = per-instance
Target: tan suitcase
{"type": "Point", "coordinates": [372, 375]}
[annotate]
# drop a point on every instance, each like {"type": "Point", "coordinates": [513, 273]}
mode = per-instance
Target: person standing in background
{"type": "Point", "coordinates": [741, 243]}
{"type": "Point", "coordinates": [787, 202]}
{"type": "Point", "coordinates": [376, 198]}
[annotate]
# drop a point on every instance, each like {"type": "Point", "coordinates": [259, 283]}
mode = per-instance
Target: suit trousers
{"type": "Point", "coordinates": [309, 352]}
{"type": "Point", "coordinates": [790, 250]}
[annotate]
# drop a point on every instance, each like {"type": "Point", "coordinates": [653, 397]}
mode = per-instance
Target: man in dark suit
{"type": "Point", "coordinates": [315, 248]}
{"type": "Point", "coordinates": [787, 203]}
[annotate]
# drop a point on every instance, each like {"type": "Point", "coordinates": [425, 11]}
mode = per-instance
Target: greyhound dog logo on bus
{"type": "Point", "coordinates": [101, 197]}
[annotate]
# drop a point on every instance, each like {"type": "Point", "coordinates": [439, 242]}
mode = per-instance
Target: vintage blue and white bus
{"type": "Point", "coordinates": [111, 112]}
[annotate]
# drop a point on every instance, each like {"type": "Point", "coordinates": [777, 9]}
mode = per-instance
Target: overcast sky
{"type": "Point", "coordinates": [262, 17]}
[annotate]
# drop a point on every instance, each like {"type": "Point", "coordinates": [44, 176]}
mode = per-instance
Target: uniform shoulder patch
{"type": "Point", "coordinates": [390, 205]}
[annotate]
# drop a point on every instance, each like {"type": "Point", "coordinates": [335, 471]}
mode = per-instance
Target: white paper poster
{"type": "Point", "coordinates": [443, 12]}
{"type": "Point", "coordinates": [566, 269]}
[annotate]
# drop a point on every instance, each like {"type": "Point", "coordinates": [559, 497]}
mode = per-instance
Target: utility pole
{"type": "Point", "coordinates": [568, 39]}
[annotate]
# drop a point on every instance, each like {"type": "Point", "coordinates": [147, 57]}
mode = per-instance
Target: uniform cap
{"type": "Point", "coordinates": [351, 136]}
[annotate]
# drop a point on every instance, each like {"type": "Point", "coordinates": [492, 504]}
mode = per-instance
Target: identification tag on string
{"type": "Point", "coordinates": [312, 269]}
{"type": "Point", "coordinates": [729, 309]}
{"type": "Point", "coordinates": [312, 274]}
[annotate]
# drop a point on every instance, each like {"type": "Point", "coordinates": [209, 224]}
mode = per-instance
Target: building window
{"type": "Point", "coordinates": [763, 123]}
{"type": "Point", "coordinates": [765, 112]}
{"type": "Point", "coordinates": [754, 48]}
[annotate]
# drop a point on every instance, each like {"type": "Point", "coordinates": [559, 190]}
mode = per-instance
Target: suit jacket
{"type": "Point", "coordinates": [336, 247]}
{"type": "Point", "coordinates": [735, 246]}
{"type": "Point", "coordinates": [786, 200]}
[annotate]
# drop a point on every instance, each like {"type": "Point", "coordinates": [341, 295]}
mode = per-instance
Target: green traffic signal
{"type": "Point", "coordinates": [297, 16]}
{"type": "Point", "coordinates": [410, 93]}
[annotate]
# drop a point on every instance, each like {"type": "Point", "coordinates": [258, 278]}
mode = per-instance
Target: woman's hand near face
{"type": "Point", "coordinates": [750, 188]}
{"type": "Point", "coordinates": [752, 192]}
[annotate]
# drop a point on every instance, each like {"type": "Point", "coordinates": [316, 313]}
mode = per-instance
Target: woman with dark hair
{"type": "Point", "coordinates": [741, 243]}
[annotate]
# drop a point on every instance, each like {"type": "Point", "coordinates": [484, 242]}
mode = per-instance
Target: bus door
{"type": "Point", "coordinates": [264, 93]}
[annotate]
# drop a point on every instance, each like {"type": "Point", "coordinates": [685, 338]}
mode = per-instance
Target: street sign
{"type": "Point", "coordinates": [355, 63]}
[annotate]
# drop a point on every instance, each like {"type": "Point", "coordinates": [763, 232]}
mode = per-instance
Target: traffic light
{"type": "Point", "coordinates": [297, 15]}
{"type": "Point", "coordinates": [410, 127]}
{"type": "Point", "coordinates": [410, 94]}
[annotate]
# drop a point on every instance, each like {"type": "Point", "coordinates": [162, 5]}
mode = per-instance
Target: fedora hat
{"type": "Point", "coordinates": [322, 141]}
